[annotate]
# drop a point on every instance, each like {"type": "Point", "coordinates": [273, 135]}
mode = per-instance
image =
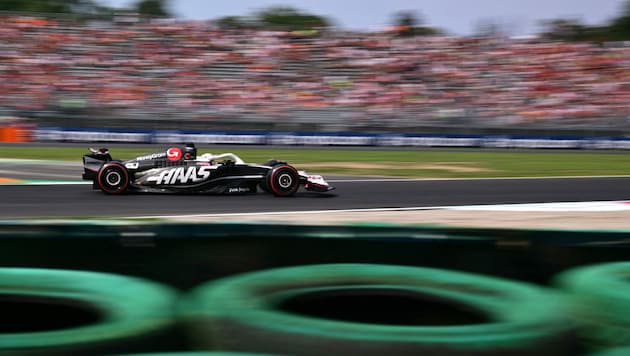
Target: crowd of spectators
{"type": "Point", "coordinates": [194, 70]}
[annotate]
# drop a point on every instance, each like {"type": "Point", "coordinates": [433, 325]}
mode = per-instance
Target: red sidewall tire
{"type": "Point", "coordinates": [113, 171]}
{"type": "Point", "coordinates": [283, 180]}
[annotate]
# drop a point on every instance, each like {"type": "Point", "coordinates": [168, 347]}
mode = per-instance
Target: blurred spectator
{"type": "Point", "coordinates": [192, 70]}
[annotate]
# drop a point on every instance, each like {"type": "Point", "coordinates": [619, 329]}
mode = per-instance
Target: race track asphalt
{"type": "Point", "coordinates": [29, 201]}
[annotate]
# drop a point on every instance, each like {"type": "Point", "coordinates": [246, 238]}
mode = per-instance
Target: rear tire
{"type": "Point", "coordinates": [282, 181]}
{"type": "Point", "coordinates": [113, 178]}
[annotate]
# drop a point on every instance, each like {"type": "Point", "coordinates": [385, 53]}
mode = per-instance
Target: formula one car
{"type": "Point", "coordinates": [178, 169]}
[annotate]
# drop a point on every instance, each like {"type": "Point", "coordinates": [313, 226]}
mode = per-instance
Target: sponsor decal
{"type": "Point", "coordinates": [181, 175]}
{"type": "Point", "coordinates": [132, 165]}
{"type": "Point", "coordinates": [174, 154]}
{"type": "Point", "coordinates": [239, 190]}
{"type": "Point", "coordinates": [151, 156]}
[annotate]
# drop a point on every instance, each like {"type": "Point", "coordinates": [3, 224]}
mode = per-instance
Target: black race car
{"type": "Point", "coordinates": [178, 169]}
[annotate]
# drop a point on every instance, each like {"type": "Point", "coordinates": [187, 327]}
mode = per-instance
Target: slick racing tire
{"type": "Point", "coordinates": [113, 178]}
{"type": "Point", "coordinates": [282, 180]}
{"type": "Point", "coordinates": [63, 312]}
{"type": "Point", "coordinates": [363, 309]}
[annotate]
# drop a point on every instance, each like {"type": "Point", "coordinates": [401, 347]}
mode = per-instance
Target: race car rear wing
{"type": "Point", "coordinates": [93, 161]}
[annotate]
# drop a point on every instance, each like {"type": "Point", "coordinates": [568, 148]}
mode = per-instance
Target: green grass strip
{"type": "Point", "coordinates": [473, 163]}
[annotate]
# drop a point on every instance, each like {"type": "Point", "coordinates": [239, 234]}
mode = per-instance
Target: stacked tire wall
{"type": "Point", "coordinates": [599, 300]}
{"type": "Point", "coordinates": [309, 290]}
{"type": "Point", "coordinates": [63, 312]}
{"type": "Point", "coordinates": [374, 310]}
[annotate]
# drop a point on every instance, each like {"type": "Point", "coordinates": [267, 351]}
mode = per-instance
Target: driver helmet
{"type": "Point", "coordinates": [190, 152]}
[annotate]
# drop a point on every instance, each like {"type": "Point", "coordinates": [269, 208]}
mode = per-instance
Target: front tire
{"type": "Point", "coordinates": [282, 181]}
{"type": "Point", "coordinates": [113, 178]}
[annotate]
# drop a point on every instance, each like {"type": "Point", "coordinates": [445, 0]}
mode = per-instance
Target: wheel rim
{"type": "Point", "coordinates": [285, 181]}
{"type": "Point", "coordinates": [113, 178]}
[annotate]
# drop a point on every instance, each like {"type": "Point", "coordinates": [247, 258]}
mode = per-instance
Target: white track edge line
{"type": "Point", "coordinates": [46, 183]}
{"type": "Point", "coordinates": [383, 180]}
{"type": "Point", "coordinates": [304, 212]}
{"type": "Point", "coordinates": [367, 180]}
{"type": "Point", "coordinates": [533, 207]}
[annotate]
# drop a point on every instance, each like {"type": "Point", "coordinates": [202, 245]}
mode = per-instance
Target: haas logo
{"type": "Point", "coordinates": [181, 175]}
{"type": "Point", "coordinates": [174, 154]}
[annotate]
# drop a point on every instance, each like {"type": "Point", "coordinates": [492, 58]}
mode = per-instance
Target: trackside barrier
{"type": "Point", "coordinates": [13, 129]}
{"type": "Point", "coordinates": [45, 134]}
{"type": "Point", "coordinates": [617, 351]}
{"type": "Point", "coordinates": [366, 309]}
{"type": "Point", "coordinates": [598, 297]}
{"type": "Point", "coordinates": [183, 255]}
{"type": "Point", "coordinates": [199, 353]}
{"type": "Point", "coordinates": [190, 255]}
{"type": "Point", "coordinates": [63, 312]}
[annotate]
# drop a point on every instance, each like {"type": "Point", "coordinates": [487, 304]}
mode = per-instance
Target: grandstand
{"type": "Point", "coordinates": [184, 74]}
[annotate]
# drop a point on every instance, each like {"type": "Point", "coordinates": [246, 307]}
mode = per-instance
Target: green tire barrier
{"type": "Point", "coordinates": [618, 351]}
{"type": "Point", "coordinates": [599, 297]}
{"type": "Point", "coordinates": [62, 312]}
{"type": "Point", "coordinates": [364, 309]}
{"type": "Point", "coordinates": [198, 353]}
